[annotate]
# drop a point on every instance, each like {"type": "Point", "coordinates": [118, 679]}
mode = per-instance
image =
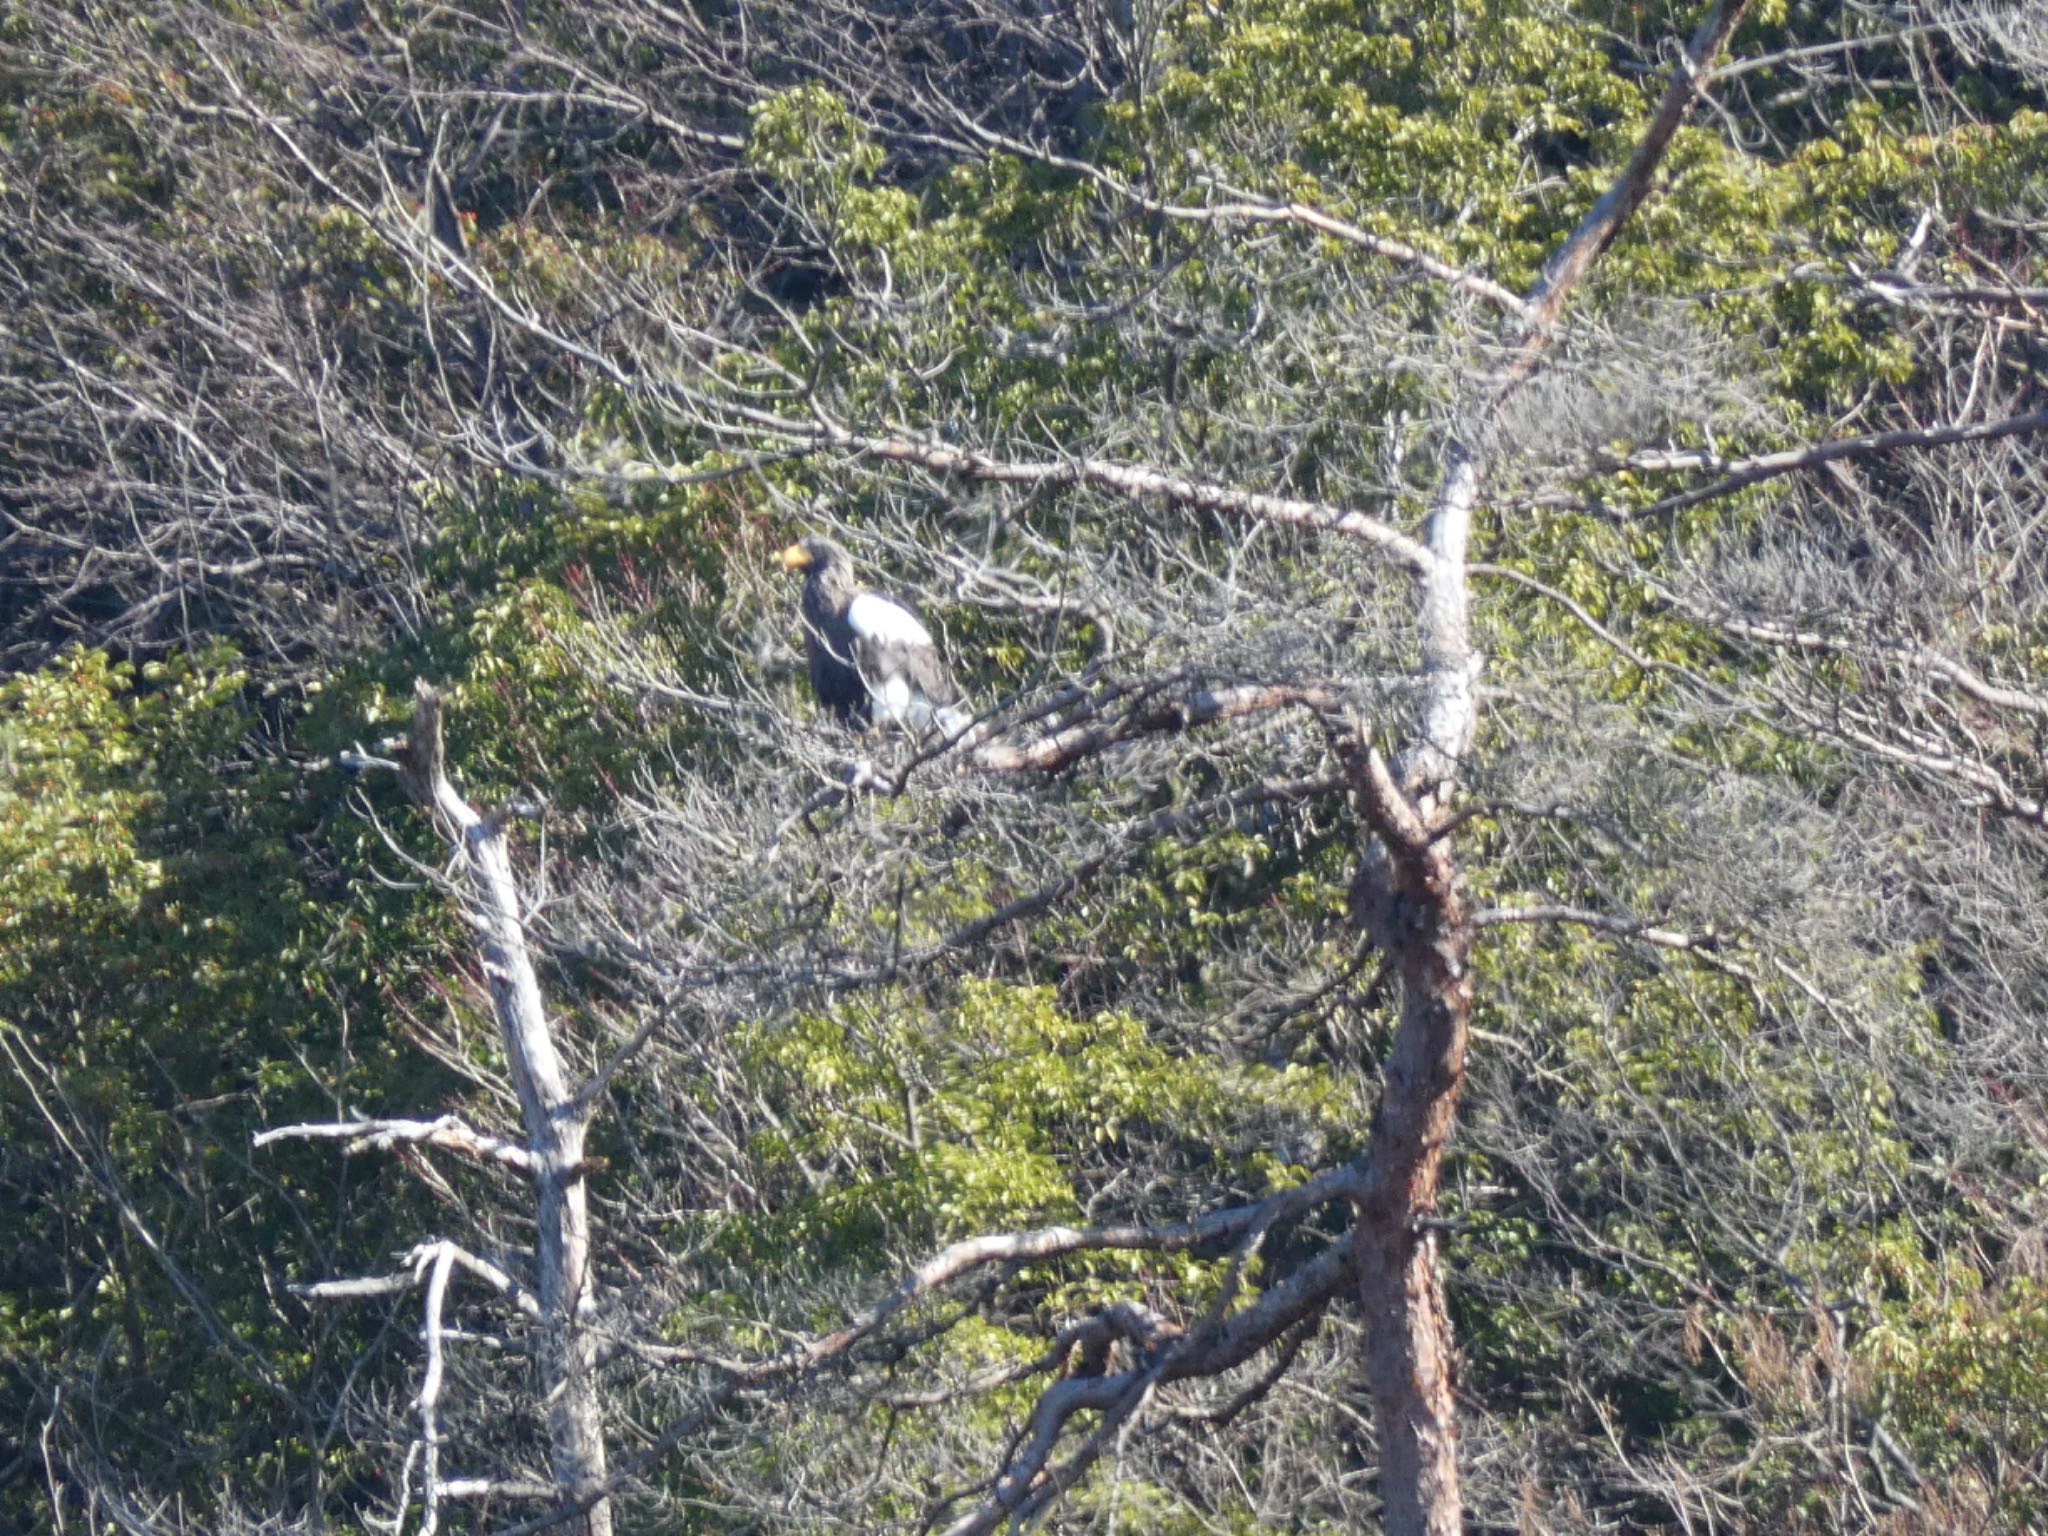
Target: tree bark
{"type": "Point", "coordinates": [1407, 895]}
{"type": "Point", "coordinates": [555, 1126]}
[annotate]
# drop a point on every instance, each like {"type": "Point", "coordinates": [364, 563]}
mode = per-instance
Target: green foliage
{"type": "Point", "coordinates": [192, 943]}
{"type": "Point", "coordinates": [997, 1112]}
{"type": "Point", "coordinates": [170, 969]}
{"type": "Point", "coordinates": [1378, 101]}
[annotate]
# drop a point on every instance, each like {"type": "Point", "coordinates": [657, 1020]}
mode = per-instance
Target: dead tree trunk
{"type": "Point", "coordinates": [555, 1123]}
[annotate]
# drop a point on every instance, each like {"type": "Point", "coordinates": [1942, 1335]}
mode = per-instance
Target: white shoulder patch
{"type": "Point", "coordinates": [885, 621]}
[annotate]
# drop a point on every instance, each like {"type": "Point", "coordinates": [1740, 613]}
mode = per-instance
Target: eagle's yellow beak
{"type": "Point", "coordinates": [795, 558]}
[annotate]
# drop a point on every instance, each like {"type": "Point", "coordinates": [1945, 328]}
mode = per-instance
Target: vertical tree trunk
{"type": "Point", "coordinates": [1408, 895]}
{"type": "Point", "coordinates": [555, 1125]}
{"type": "Point", "coordinates": [568, 1377]}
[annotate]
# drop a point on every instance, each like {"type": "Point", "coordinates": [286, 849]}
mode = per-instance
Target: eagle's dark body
{"type": "Point", "coordinates": [872, 660]}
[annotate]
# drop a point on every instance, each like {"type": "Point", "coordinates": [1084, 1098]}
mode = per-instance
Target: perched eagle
{"type": "Point", "coordinates": [872, 659]}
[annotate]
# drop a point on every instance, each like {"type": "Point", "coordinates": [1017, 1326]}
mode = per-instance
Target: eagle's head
{"type": "Point", "coordinates": [825, 561]}
{"type": "Point", "coordinates": [815, 552]}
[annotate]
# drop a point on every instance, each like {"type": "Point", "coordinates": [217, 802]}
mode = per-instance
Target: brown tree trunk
{"type": "Point", "coordinates": [1407, 894]}
{"type": "Point", "coordinates": [1408, 897]}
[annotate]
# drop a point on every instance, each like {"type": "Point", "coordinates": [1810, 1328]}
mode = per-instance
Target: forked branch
{"type": "Point", "coordinates": [556, 1121]}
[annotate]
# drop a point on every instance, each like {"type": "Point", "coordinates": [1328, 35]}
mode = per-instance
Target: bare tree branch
{"type": "Point", "coordinates": [449, 1132]}
{"type": "Point", "coordinates": [1137, 482]}
{"type": "Point", "coordinates": [1739, 474]}
{"type": "Point", "coordinates": [1250, 209]}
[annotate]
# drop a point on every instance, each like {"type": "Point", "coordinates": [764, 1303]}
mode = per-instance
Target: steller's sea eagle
{"type": "Point", "coordinates": [872, 659]}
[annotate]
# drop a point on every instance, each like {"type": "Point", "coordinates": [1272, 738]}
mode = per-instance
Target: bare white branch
{"type": "Point", "coordinates": [449, 1132]}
